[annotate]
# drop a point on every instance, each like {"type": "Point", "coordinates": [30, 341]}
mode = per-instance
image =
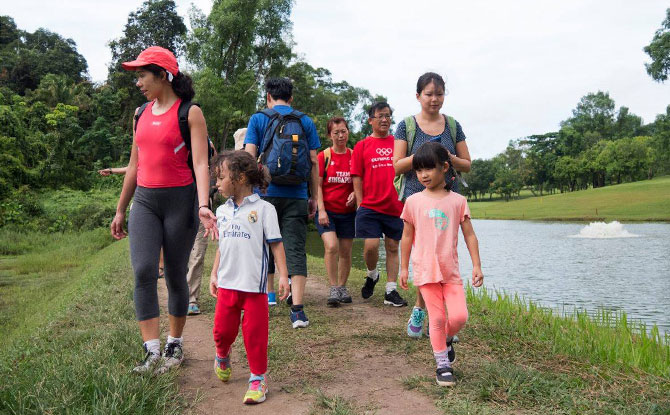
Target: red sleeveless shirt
{"type": "Point", "coordinates": [161, 151]}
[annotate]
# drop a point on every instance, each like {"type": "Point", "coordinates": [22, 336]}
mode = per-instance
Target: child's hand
{"type": "Point", "coordinates": [284, 287]}
{"type": "Point", "coordinates": [404, 276]}
{"type": "Point", "coordinates": [477, 277]}
{"type": "Point", "coordinates": [213, 285]}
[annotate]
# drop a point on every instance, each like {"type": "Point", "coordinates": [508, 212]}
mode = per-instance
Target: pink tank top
{"type": "Point", "coordinates": [161, 151]}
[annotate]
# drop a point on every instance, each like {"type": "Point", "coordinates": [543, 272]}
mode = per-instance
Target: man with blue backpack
{"type": "Point", "coordinates": [285, 141]}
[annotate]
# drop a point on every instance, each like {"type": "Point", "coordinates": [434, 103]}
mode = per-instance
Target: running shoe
{"type": "Point", "coordinates": [333, 298]}
{"type": "Point", "coordinates": [445, 376]}
{"type": "Point", "coordinates": [451, 353]}
{"type": "Point", "coordinates": [299, 319]}
{"type": "Point", "coordinates": [394, 299]}
{"type": "Point", "coordinates": [415, 322]}
{"type": "Point", "coordinates": [222, 368]}
{"type": "Point", "coordinates": [272, 298]}
{"type": "Point", "coordinates": [343, 295]}
{"type": "Point", "coordinates": [193, 310]}
{"type": "Point", "coordinates": [258, 388]}
{"type": "Point", "coordinates": [369, 287]}
{"type": "Point", "coordinates": [151, 360]}
{"type": "Point", "coordinates": [173, 355]}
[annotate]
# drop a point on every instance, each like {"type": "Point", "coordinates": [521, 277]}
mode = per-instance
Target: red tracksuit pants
{"type": "Point", "coordinates": [229, 307]}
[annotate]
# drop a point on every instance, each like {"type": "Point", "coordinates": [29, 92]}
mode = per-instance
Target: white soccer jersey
{"type": "Point", "coordinates": [244, 234]}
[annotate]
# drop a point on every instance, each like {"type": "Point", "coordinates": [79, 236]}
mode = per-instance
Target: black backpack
{"type": "Point", "coordinates": [182, 112]}
{"type": "Point", "coordinates": [285, 150]}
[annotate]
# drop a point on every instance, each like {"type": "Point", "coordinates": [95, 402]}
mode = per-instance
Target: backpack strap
{"type": "Point", "coordinates": [410, 132]}
{"type": "Point", "coordinates": [185, 131]}
{"type": "Point", "coordinates": [451, 122]}
{"type": "Point", "coordinates": [265, 144]}
{"type": "Point", "coordinates": [139, 112]}
{"type": "Point", "coordinates": [326, 161]}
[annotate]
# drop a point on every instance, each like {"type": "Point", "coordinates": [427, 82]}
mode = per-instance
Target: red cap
{"type": "Point", "coordinates": [156, 55]}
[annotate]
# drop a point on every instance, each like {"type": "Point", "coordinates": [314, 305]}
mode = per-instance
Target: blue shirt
{"type": "Point", "coordinates": [255, 130]}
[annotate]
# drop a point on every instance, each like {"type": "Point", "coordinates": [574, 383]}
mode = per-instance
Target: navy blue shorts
{"type": "Point", "coordinates": [343, 224]}
{"type": "Point", "coordinates": [371, 224]}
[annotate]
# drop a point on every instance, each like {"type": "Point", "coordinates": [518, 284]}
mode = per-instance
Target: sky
{"type": "Point", "coordinates": [513, 68]}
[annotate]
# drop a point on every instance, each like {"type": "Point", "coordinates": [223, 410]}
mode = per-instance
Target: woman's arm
{"type": "Point", "coordinates": [199, 148]}
{"type": "Point", "coordinates": [402, 163]}
{"type": "Point", "coordinates": [323, 216]}
{"type": "Point", "coordinates": [461, 160]}
{"type": "Point", "coordinates": [127, 192]}
{"type": "Point", "coordinates": [358, 190]}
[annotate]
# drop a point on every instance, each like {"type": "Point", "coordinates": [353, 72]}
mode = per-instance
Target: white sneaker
{"type": "Point", "coordinates": [173, 355]}
{"type": "Point", "coordinates": [151, 360]}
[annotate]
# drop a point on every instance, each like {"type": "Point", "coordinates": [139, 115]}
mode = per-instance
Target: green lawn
{"type": "Point", "coordinates": [647, 200]}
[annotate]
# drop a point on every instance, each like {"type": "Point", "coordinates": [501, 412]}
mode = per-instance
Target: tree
{"type": "Point", "coordinates": [235, 48]}
{"type": "Point", "coordinates": [540, 158]}
{"type": "Point", "coordinates": [594, 113]}
{"type": "Point", "coordinates": [25, 58]}
{"type": "Point", "coordinates": [567, 171]}
{"type": "Point", "coordinates": [659, 52]}
{"type": "Point", "coordinates": [627, 124]}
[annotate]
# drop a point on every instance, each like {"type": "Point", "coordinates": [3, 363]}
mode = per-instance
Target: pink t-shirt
{"type": "Point", "coordinates": [436, 223]}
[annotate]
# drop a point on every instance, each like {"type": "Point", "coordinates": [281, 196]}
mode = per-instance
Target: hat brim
{"type": "Point", "coordinates": [133, 65]}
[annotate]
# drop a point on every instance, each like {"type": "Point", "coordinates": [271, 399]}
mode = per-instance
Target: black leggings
{"type": "Point", "coordinates": [164, 217]}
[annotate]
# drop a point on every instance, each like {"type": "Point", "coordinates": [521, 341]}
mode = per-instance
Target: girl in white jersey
{"type": "Point", "coordinates": [248, 228]}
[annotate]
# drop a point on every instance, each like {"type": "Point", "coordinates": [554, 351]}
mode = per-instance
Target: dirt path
{"type": "Point", "coordinates": [339, 361]}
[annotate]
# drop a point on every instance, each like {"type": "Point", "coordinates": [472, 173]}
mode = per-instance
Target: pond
{"type": "Point", "coordinates": [567, 266]}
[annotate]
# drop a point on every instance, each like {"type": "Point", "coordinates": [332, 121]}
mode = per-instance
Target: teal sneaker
{"type": "Point", "coordinates": [415, 323]}
{"type": "Point", "coordinates": [272, 298]}
{"type": "Point", "coordinates": [193, 310]}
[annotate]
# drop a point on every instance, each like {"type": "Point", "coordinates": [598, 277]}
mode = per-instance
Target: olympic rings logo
{"type": "Point", "coordinates": [384, 151]}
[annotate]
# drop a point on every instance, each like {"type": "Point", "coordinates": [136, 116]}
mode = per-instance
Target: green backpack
{"type": "Point", "coordinates": [410, 133]}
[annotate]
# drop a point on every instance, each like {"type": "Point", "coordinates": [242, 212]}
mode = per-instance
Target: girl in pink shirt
{"type": "Point", "coordinates": [432, 218]}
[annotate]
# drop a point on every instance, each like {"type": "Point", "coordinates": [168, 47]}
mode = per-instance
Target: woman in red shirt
{"type": "Point", "coordinates": [336, 215]}
{"type": "Point", "coordinates": [167, 201]}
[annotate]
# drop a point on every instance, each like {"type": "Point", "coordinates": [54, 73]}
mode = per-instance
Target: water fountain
{"type": "Point", "coordinates": [602, 230]}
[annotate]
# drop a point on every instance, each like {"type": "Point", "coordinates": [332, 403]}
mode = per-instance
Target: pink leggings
{"type": "Point", "coordinates": [436, 296]}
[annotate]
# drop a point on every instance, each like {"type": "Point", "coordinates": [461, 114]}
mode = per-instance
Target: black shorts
{"type": "Point", "coordinates": [343, 224]}
{"type": "Point", "coordinates": [372, 224]}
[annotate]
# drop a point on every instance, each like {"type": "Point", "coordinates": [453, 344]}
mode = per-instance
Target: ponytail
{"type": "Point", "coordinates": [182, 85]}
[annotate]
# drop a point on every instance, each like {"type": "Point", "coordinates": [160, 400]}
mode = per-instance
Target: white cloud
{"type": "Point", "coordinates": [513, 68]}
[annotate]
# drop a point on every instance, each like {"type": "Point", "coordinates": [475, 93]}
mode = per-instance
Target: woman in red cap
{"type": "Point", "coordinates": [167, 202]}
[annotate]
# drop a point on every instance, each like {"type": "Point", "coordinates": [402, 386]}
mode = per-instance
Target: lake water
{"type": "Point", "coordinates": [569, 265]}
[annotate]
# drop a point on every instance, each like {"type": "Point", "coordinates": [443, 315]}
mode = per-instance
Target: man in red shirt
{"type": "Point", "coordinates": [377, 200]}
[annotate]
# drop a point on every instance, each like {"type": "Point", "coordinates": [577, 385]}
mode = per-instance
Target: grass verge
{"type": "Point", "coordinates": [647, 200]}
{"type": "Point", "coordinates": [73, 351]}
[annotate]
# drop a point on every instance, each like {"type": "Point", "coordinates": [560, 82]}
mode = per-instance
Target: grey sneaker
{"type": "Point", "coordinates": [151, 360]}
{"type": "Point", "coordinates": [334, 297]}
{"type": "Point", "coordinates": [445, 376]}
{"type": "Point", "coordinates": [173, 355]}
{"type": "Point", "coordinates": [343, 295]}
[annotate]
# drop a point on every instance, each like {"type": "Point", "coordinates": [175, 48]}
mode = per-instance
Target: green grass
{"type": "Point", "coordinates": [71, 335]}
{"type": "Point", "coordinates": [647, 200]}
{"type": "Point", "coordinates": [69, 344]}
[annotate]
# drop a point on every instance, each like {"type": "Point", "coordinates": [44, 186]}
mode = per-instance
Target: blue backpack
{"type": "Point", "coordinates": [285, 151]}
